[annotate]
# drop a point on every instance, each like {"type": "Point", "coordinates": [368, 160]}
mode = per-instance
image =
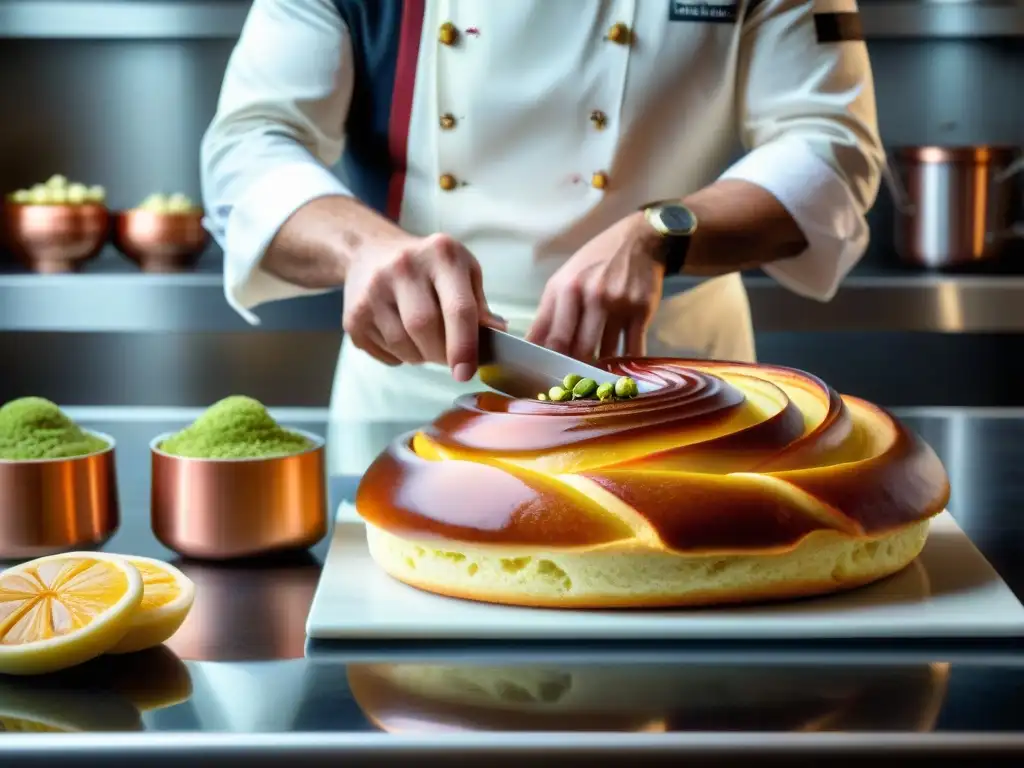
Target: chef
{"type": "Point", "coordinates": [538, 166]}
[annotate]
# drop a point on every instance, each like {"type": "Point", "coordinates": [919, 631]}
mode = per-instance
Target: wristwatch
{"type": "Point", "coordinates": [675, 223]}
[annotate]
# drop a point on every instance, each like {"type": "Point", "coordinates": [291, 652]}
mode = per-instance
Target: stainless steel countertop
{"type": "Point", "coordinates": [237, 682]}
{"type": "Point", "coordinates": [114, 297]}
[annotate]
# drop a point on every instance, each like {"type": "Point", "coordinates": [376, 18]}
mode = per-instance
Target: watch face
{"type": "Point", "coordinates": [676, 218]}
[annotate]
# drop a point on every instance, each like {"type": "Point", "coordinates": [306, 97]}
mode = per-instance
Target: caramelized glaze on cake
{"type": "Point", "coordinates": [720, 458]}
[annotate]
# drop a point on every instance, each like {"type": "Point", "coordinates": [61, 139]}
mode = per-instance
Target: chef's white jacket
{"type": "Point", "coordinates": [525, 128]}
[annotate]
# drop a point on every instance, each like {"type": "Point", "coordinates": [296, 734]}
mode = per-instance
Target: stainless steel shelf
{"type": "Point", "coordinates": [176, 19]}
{"type": "Point", "coordinates": [120, 302]}
{"type": "Point", "coordinates": [937, 20]}
{"type": "Point", "coordinates": [117, 19]}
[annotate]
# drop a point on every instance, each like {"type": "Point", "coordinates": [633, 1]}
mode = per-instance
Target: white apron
{"type": "Point", "coordinates": [373, 403]}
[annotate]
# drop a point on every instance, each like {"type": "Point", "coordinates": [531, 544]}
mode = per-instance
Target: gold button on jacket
{"type": "Point", "coordinates": [619, 33]}
{"type": "Point", "coordinates": [448, 34]}
{"type": "Point", "coordinates": [447, 121]}
{"type": "Point", "coordinates": [448, 182]}
{"type": "Point", "coordinates": [599, 180]}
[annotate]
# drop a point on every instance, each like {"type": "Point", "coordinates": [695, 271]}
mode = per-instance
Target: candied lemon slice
{"type": "Point", "coordinates": [62, 610]}
{"type": "Point", "coordinates": [166, 600]}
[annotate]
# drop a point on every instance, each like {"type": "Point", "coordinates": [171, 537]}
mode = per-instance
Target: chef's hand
{"type": "Point", "coordinates": [415, 300]}
{"type": "Point", "coordinates": [609, 289]}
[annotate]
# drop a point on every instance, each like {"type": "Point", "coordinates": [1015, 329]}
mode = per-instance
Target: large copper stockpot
{"type": "Point", "coordinates": [956, 205]}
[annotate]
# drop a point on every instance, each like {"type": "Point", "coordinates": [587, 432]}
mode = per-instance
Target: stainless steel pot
{"type": "Point", "coordinates": [955, 205]}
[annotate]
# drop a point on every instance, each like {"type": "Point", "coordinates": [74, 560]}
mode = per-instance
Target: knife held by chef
{"type": "Point", "coordinates": [515, 367]}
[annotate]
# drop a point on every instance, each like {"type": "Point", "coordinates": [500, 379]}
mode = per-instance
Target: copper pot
{"type": "Point", "coordinates": [57, 505]}
{"type": "Point", "coordinates": [161, 242]}
{"type": "Point", "coordinates": [218, 509]}
{"type": "Point", "coordinates": [955, 205]}
{"type": "Point", "coordinates": [56, 238]}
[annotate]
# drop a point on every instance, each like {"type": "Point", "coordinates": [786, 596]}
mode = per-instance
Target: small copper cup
{"type": "Point", "coordinates": [161, 242]}
{"type": "Point", "coordinates": [58, 505]}
{"type": "Point", "coordinates": [56, 238]}
{"type": "Point", "coordinates": [221, 509]}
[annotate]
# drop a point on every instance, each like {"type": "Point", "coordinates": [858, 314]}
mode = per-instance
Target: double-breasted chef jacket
{"type": "Point", "coordinates": [523, 129]}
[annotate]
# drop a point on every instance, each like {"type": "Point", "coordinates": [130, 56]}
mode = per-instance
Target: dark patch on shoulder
{"type": "Point", "coordinates": [843, 27]}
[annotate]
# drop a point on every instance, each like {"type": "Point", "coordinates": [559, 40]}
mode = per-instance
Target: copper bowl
{"type": "Point", "coordinates": [161, 242]}
{"type": "Point", "coordinates": [57, 505]}
{"type": "Point", "coordinates": [221, 509]}
{"type": "Point", "coordinates": [56, 238]}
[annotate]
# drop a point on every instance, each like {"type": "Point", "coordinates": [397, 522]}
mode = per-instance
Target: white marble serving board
{"type": "Point", "coordinates": [951, 591]}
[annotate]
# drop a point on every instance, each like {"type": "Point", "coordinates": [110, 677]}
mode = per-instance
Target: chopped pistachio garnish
{"type": "Point", "coordinates": [584, 389]}
{"type": "Point", "coordinates": [576, 387]}
{"type": "Point", "coordinates": [626, 387]}
{"type": "Point", "coordinates": [558, 394]}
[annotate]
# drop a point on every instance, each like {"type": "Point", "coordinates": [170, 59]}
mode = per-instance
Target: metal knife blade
{"type": "Point", "coordinates": [517, 368]}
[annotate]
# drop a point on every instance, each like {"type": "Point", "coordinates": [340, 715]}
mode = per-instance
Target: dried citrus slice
{"type": "Point", "coordinates": [61, 610]}
{"type": "Point", "coordinates": [166, 600]}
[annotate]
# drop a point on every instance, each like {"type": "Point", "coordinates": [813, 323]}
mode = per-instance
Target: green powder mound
{"type": "Point", "coordinates": [235, 428]}
{"type": "Point", "coordinates": [34, 428]}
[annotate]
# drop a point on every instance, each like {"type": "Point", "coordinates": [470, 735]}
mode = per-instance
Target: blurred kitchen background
{"type": "Point", "coordinates": [119, 92]}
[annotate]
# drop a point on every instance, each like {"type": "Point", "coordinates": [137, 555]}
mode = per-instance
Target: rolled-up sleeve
{"type": "Point", "coordinates": [279, 127]}
{"type": "Point", "coordinates": [807, 105]}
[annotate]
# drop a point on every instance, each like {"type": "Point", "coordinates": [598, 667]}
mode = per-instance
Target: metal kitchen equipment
{"type": "Point", "coordinates": [956, 205]}
{"type": "Point", "coordinates": [160, 242]}
{"type": "Point", "coordinates": [223, 509]}
{"type": "Point", "coordinates": [58, 505]}
{"type": "Point", "coordinates": [55, 238]}
{"type": "Point", "coordinates": [518, 368]}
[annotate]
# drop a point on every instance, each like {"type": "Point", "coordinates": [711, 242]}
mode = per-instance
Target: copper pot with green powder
{"type": "Point", "coordinates": [235, 483]}
{"type": "Point", "coordinates": [58, 482]}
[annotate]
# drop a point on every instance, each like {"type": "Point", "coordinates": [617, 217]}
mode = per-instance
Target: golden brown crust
{"type": "Point", "coordinates": [722, 458]}
{"type": "Point", "coordinates": [824, 563]}
{"type": "Point", "coordinates": [746, 594]}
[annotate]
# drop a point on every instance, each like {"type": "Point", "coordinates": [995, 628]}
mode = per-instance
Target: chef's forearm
{"type": "Point", "coordinates": [740, 226]}
{"type": "Point", "coordinates": [315, 246]}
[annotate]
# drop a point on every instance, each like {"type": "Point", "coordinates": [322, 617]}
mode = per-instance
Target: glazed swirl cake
{"type": "Point", "coordinates": [728, 483]}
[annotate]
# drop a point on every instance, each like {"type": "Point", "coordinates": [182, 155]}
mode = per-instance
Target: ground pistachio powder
{"type": "Point", "coordinates": [236, 427]}
{"type": "Point", "coordinates": [34, 428]}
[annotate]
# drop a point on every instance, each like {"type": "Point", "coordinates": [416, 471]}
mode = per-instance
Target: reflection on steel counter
{"type": "Point", "coordinates": [248, 611]}
{"type": "Point", "coordinates": [108, 694]}
{"type": "Point", "coordinates": [428, 698]}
